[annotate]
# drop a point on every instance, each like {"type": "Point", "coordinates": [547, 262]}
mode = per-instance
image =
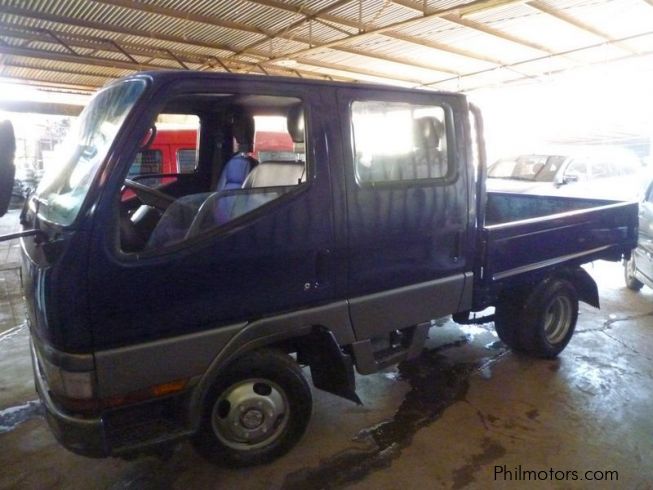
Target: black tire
{"type": "Point", "coordinates": [632, 282]}
{"type": "Point", "coordinates": [548, 318]}
{"type": "Point", "coordinates": [256, 411]}
{"type": "Point", "coordinates": [507, 319]}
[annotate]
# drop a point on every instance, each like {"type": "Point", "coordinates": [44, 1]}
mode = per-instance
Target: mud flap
{"type": "Point", "coordinates": [332, 370]}
{"type": "Point", "coordinates": [588, 291]}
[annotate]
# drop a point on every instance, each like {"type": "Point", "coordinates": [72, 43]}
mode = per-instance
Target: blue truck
{"type": "Point", "coordinates": [187, 306]}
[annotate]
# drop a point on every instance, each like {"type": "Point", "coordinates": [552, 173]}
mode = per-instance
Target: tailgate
{"type": "Point", "coordinates": [570, 238]}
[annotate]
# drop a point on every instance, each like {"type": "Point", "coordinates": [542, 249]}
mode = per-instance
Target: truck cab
{"type": "Point", "coordinates": [162, 309]}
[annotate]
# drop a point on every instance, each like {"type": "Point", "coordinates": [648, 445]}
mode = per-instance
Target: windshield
{"type": "Point", "coordinates": [66, 183]}
{"type": "Point", "coordinates": [536, 168]}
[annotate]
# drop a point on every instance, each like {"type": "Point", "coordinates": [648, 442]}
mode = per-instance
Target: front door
{"type": "Point", "coordinates": [220, 256]}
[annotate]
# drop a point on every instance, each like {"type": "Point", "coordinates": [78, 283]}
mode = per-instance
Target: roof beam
{"type": "Point", "coordinates": [427, 43]}
{"type": "Point", "coordinates": [111, 63]}
{"type": "Point", "coordinates": [97, 44]}
{"type": "Point", "coordinates": [360, 71]}
{"type": "Point", "coordinates": [565, 17]}
{"type": "Point", "coordinates": [484, 28]}
{"type": "Point", "coordinates": [410, 39]}
{"type": "Point", "coordinates": [457, 18]}
{"type": "Point", "coordinates": [565, 70]}
{"type": "Point", "coordinates": [294, 25]}
{"type": "Point", "coordinates": [473, 6]}
{"type": "Point", "coordinates": [79, 59]}
{"type": "Point", "coordinates": [283, 34]}
{"type": "Point", "coordinates": [153, 8]}
{"type": "Point", "coordinates": [561, 53]}
{"type": "Point", "coordinates": [136, 50]}
{"type": "Point", "coordinates": [401, 61]}
{"type": "Point", "coordinates": [105, 27]}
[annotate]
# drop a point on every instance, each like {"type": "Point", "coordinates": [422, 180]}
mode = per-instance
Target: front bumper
{"type": "Point", "coordinates": [121, 431]}
{"type": "Point", "coordinates": [85, 436]}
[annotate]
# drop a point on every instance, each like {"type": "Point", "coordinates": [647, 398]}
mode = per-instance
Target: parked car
{"type": "Point", "coordinates": [192, 316]}
{"type": "Point", "coordinates": [638, 270]}
{"type": "Point", "coordinates": [600, 174]}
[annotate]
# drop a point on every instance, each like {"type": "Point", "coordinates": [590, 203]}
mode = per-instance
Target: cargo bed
{"type": "Point", "coordinates": [526, 236]}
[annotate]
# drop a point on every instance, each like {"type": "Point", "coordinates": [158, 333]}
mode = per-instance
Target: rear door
{"type": "Point", "coordinates": [410, 235]}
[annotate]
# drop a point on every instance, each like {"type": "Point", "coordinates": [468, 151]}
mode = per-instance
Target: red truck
{"type": "Point", "coordinates": [172, 151]}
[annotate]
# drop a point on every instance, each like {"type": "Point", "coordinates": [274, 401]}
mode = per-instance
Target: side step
{"type": "Point", "coordinates": [368, 360]}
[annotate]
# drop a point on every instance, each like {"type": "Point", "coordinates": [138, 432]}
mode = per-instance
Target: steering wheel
{"type": "Point", "coordinates": [149, 196]}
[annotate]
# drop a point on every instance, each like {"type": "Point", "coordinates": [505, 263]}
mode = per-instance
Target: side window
{"type": "Point", "coordinates": [251, 153]}
{"type": "Point", "coordinates": [187, 160]}
{"type": "Point", "coordinates": [601, 169]}
{"type": "Point", "coordinates": [578, 169]}
{"type": "Point", "coordinates": [396, 141]}
{"type": "Point", "coordinates": [146, 162]}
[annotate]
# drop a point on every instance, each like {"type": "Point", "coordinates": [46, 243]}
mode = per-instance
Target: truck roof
{"type": "Point", "coordinates": [164, 76]}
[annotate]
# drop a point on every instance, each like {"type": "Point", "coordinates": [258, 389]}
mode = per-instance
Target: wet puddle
{"type": "Point", "coordinates": [436, 383]}
{"type": "Point", "coordinates": [12, 417]}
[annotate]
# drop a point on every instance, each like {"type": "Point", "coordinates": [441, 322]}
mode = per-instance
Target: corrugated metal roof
{"type": "Point", "coordinates": [448, 44]}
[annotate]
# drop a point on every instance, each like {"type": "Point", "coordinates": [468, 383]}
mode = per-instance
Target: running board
{"type": "Point", "coordinates": [369, 361]}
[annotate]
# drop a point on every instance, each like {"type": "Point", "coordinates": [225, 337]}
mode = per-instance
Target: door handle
{"type": "Point", "coordinates": [460, 243]}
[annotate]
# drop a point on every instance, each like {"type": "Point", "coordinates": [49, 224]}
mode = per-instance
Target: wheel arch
{"type": "Point", "coordinates": [316, 335]}
{"type": "Point", "coordinates": [585, 285]}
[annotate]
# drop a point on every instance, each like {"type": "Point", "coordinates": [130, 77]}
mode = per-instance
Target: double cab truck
{"type": "Point", "coordinates": [192, 307]}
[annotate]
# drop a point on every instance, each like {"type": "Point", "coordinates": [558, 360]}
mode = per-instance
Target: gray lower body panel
{"type": "Point", "coordinates": [127, 369]}
{"type": "Point", "coordinates": [379, 313]}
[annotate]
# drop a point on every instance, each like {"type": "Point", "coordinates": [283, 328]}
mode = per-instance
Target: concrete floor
{"type": "Point", "coordinates": [465, 409]}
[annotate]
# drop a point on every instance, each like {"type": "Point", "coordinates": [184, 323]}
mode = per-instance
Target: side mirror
{"type": "Point", "coordinates": [569, 178]}
{"type": "Point", "coordinates": [7, 168]}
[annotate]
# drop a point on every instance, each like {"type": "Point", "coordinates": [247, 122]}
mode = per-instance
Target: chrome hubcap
{"type": "Point", "coordinates": [557, 319]}
{"type": "Point", "coordinates": [250, 414]}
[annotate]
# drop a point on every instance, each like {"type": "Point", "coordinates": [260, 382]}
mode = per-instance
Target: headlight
{"type": "Point", "coordinates": [69, 384]}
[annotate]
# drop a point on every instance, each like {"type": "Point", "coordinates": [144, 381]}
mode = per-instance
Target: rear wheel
{"type": "Point", "coordinates": [507, 320]}
{"type": "Point", "coordinates": [549, 318]}
{"type": "Point", "coordinates": [256, 411]}
{"type": "Point", "coordinates": [629, 275]}
{"type": "Point", "coordinates": [539, 322]}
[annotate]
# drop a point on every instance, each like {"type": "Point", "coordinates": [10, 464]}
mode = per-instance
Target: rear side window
{"type": "Point", "coordinates": [186, 160]}
{"type": "Point", "coordinates": [397, 141]}
{"type": "Point", "coordinates": [146, 162]}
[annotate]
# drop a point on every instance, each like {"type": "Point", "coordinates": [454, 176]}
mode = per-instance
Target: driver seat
{"type": "Point", "coordinates": [238, 167]}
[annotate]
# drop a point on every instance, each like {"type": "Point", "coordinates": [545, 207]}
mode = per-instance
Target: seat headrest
{"type": "Point", "coordinates": [276, 173]}
{"type": "Point", "coordinates": [427, 132]}
{"type": "Point", "coordinates": [296, 123]}
{"type": "Point", "coordinates": [243, 131]}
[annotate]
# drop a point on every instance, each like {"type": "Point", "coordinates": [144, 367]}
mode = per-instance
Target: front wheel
{"type": "Point", "coordinates": [255, 412]}
{"type": "Point", "coordinates": [632, 282]}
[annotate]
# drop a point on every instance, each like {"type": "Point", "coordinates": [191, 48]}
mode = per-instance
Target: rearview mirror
{"type": "Point", "coordinates": [7, 169]}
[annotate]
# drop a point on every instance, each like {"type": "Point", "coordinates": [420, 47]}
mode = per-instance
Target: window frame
{"type": "Point", "coordinates": [193, 88]}
{"type": "Point", "coordinates": [452, 174]}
